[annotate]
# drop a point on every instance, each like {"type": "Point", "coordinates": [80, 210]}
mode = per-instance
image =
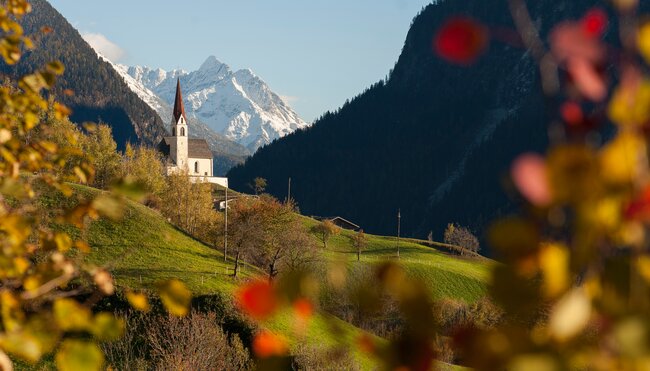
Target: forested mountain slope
{"type": "Point", "coordinates": [99, 92]}
{"type": "Point", "coordinates": [434, 139]}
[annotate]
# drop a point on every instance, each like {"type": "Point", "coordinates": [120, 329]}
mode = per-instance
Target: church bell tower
{"type": "Point", "coordinates": [179, 143]}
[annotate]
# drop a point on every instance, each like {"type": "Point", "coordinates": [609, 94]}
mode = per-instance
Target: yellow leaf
{"type": "Point", "coordinates": [63, 242]}
{"type": "Point", "coordinates": [56, 67]}
{"type": "Point", "coordinates": [643, 265]}
{"type": "Point", "coordinates": [570, 315]}
{"type": "Point", "coordinates": [175, 297]}
{"type": "Point", "coordinates": [554, 263]}
{"type": "Point", "coordinates": [70, 315]}
{"type": "Point", "coordinates": [643, 41]}
{"type": "Point", "coordinates": [514, 237]}
{"type": "Point", "coordinates": [12, 316]}
{"type": "Point", "coordinates": [75, 355]}
{"type": "Point", "coordinates": [630, 104]}
{"type": "Point", "coordinates": [631, 336]}
{"type": "Point", "coordinates": [5, 136]}
{"type": "Point", "coordinates": [573, 172]}
{"type": "Point", "coordinates": [82, 246]}
{"type": "Point", "coordinates": [138, 301]}
{"type": "Point", "coordinates": [533, 362]}
{"type": "Point", "coordinates": [623, 159]}
{"type": "Point", "coordinates": [80, 174]}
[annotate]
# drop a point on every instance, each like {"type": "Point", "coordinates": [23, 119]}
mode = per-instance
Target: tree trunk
{"type": "Point", "coordinates": [234, 274]}
{"type": "Point", "coordinates": [358, 254]}
{"type": "Point", "coordinates": [272, 271]}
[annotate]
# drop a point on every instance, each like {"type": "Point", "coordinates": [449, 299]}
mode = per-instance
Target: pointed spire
{"type": "Point", "coordinates": [179, 108]}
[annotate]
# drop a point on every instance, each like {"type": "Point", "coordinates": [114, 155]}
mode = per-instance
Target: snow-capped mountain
{"type": "Point", "coordinates": [236, 104]}
{"type": "Point", "coordinates": [227, 152]}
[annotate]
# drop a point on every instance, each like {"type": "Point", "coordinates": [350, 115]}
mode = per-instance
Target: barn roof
{"type": "Point", "coordinates": [341, 222]}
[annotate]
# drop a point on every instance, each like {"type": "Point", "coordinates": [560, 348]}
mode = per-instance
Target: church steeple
{"type": "Point", "coordinates": [179, 108]}
{"type": "Point", "coordinates": [179, 142]}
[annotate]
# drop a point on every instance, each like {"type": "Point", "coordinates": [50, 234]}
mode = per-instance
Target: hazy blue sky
{"type": "Point", "coordinates": [316, 53]}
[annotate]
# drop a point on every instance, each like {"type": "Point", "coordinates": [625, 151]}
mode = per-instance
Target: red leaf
{"type": "Point", "coordinates": [461, 40]}
{"type": "Point", "coordinates": [572, 113]}
{"type": "Point", "coordinates": [257, 299]}
{"type": "Point", "coordinates": [530, 176]}
{"type": "Point", "coordinates": [594, 23]}
{"type": "Point", "coordinates": [568, 41]}
{"type": "Point", "coordinates": [587, 79]}
{"type": "Point", "coordinates": [304, 308]}
{"type": "Point", "coordinates": [639, 208]}
{"type": "Point", "coordinates": [266, 344]}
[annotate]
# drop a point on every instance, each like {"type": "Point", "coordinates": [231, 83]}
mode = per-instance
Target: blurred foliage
{"type": "Point", "coordinates": [46, 289]}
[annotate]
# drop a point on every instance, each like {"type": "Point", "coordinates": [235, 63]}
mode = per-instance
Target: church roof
{"type": "Point", "coordinates": [179, 108]}
{"type": "Point", "coordinates": [197, 148]}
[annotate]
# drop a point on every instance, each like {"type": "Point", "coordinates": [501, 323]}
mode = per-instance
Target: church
{"type": "Point", "coordinates": [184, 154]}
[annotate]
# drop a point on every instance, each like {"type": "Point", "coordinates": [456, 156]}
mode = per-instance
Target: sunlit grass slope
{"type": "Point", "coordinates": [143, 248]}
{"type": "Point", "coordinates": [447, 276]}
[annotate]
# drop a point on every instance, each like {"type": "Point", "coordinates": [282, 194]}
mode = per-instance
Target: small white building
{"type": "Point", "coordinates": [184, 154]}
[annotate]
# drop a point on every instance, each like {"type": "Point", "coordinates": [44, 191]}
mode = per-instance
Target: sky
{"type": "Point", "coordinates": [314, 53]}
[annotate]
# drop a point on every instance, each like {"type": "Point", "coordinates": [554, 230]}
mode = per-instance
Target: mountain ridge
{"type": "Point", "coordinates": [236, 104]}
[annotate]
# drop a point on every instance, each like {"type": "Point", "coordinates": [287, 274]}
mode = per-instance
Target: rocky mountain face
{"type": "Point", "coordinates": [434, 140]}
{"type": "Point", "coordinates": [236, 104]}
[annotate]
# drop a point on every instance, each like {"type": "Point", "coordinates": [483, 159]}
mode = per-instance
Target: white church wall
{"type": "Point", "coordinates": [203, 165]}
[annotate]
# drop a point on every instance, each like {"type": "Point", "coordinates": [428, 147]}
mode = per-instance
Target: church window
{"type": "Point", "coordinates": [196, 167]}
{"type": "Point", "coordinates": [182, 132]}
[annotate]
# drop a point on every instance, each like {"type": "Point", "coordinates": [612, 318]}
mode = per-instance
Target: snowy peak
{"type": "Point", "coordinates": [239, 105]}
{"type": "Point", "coordinates": [212, 63]}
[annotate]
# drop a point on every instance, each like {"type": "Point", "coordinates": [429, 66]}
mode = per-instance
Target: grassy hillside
{"type": "Point", "coordinates": [144, 248]}
{"type": "Point", "coordinates": [447, 276]}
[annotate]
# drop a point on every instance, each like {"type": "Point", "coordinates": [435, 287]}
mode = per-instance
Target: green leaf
{"type": "Point", "coordinates": [75, 355]}
{"type": "Point", "coordinates": [70, 315]}
{"type": "Point", "coordinates": [23, 345]}
{"type": "Point", "coordinates": [175, 297]}
{"type": "Point", "coordinates": [109, 206]}
{"type": "Point", "coordinates": [129, 188]}
{"type": "Point", "coordinates": [107, 327]}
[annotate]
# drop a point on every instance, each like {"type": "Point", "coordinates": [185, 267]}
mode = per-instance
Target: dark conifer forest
{"type": "Point", "coordinates": [433, 139]}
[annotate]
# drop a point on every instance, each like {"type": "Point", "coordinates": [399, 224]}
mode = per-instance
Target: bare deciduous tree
{"type": "Point", "coordinates": [463, 237]}
{"type": "Point", "coordinates": [325, 230]}
{"type": "Point", "coordinates": [194, 342]}
{"type": "Point", "coordinates": [359, 241]}
{"type": "Point", "coordinates": [259, 185]}
{"type": "Point", "coordinates": [269, 235]}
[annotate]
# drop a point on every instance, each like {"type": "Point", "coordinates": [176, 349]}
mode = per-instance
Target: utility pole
{"type": "Point", "coordinates": [225, 228]}
{"type": "Point", "coordinates": [399, 227]}
{"type": "Point", "coordinates": [289, 191]}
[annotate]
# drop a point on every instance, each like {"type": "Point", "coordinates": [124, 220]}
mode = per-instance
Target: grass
{"type": "Point", "coordinates": [446, 275]}
{"type": "Point", "coordinates": [143, 248]}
